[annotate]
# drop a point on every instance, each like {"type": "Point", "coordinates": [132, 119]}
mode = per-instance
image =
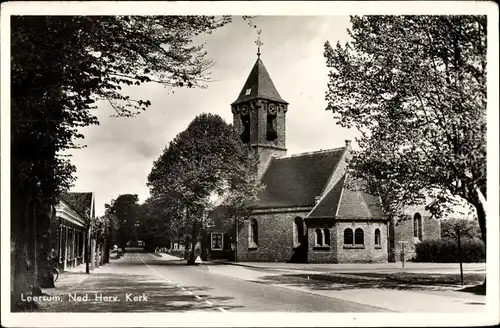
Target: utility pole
{"type": "Point", "coordinates": [460, 257]}
{"type": "Point", "coordinates": [236, 239]}
{"type": "Point", "coordinates": [402, 254]}
{"type": "Point", "coordinates": [88, 246]}
{"type": "Point", "coordinates": [403, 250]}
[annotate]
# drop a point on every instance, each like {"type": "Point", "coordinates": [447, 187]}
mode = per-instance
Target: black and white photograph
{"type": "Point", "coordinates": [250, 163]}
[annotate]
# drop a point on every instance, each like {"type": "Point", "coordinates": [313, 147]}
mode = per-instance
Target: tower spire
{"type": "Point", "coordinates": [258, 42]}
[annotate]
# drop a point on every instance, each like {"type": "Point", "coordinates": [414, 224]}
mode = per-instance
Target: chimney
{"type": "Point", "coordinates": [348, 143]}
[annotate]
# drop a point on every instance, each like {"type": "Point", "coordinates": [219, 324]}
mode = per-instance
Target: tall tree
{"type": "Point", "coordinates": [153, 222]}
{"type": "Point", "coordinates": [415, 87]}
{"type": "Point", "coordinates": [61, 65]}
{"type": "Point", "coordinates": [111, 226]}
{"type": "Point", "coordinates": [206, 160]}
{"type": "Point", "coordinates": [126, 210]}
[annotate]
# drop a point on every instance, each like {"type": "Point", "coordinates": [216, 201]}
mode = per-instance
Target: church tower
{"type": "Point", "coordinates": [259, 115]}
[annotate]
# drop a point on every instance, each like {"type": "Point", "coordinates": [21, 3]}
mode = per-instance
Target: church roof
{"type": "Point", "coordinates": [346, 200]}
{"type": "Point", "coordinates": [260, 85]}
{"type": "Point", "coordinates": [298, 179]}
{"type": "Point", "coordinates": [327, 207]}
{"type": "Point", "coordinates": [355, 203]}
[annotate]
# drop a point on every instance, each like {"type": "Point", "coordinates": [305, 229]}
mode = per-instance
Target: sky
{"type": "Point", "coordinates": [120, 152]}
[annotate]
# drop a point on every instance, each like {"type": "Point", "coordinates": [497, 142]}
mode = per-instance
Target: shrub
{"type": "Point", "coordinates": [468, 228]}
{"type": "Point", "coordinates": [446, 251]}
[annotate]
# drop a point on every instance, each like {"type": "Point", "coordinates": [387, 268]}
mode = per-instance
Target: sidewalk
{"type": "Point", "coordinates": [405, 301]}
{"type": "Point", "coordinates": [72, 277]}
{"type": "Point", "coordinates": [120, 286]}
{"type": "Point", "coordinates": [364, 267]}
{"type": "Point", "coordinates": [373, 291]}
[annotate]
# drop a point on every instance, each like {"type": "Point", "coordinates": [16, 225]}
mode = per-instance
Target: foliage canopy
{"type": "Point", "coordinates": [204, 166]}
{"type": "Point", "coordinates": [415, 87]}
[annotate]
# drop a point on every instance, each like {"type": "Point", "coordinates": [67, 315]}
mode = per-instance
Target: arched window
{"type": "Point", "coordinates": [377, 237]}
{"type": "Point", "coordinates": [348, 237]}
{"type": "Point", "coordinates": [417, 226]}
{"type": "Point", "coordinates": [319, 237]}
{"type": "Point", "coordinates": [298, 231]}
{"type": "Point", "coordinates": [253, 233]}
{"type": "Point", "coordinates": [359, 237]}
{"type": "Point", "coordinates": [326, 234]}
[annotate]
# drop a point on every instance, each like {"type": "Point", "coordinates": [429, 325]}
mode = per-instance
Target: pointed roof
{"type": "Point", "coordinates": [260, 85]}
{"type": "Point", "coordinates": [327, 207]}
{"type": "Point", "coordinates": [298, 179]}
{"type": "Point", "coordinates": [347, 200]}
{"type": "Point", "coordinates": [357, 203]}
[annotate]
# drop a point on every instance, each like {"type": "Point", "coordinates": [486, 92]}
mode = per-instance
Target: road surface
{"type": "Point", "coordinates": [144, 282]}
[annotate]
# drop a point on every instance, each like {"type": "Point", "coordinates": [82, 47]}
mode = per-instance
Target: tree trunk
{"type": "Point", "coordinates": [479, 202]}
{"type": "Point", "coordinates": [107, 248]}
{"type": "Point", "coordinates": [22, 271]}
{"type": "Point", "coordinates": [194, 241]}
{"type": "Point", "coordinates": [391, 242]}
{"type": "Point", "coordinates": [204, 247]}
{"type": "Point", "coordinates": [46, 231]}
{"type": "Point", "coordinates": [481, 217]}
{"type": "Point", "coordinates": [92, 254]}
{"type": "Point", "coordinates": [33, 247]}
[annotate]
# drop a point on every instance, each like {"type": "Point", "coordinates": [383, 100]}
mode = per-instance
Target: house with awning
{"type": "Point", "coordinates": [74, 213]}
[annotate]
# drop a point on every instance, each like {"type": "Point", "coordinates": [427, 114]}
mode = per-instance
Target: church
{"type": "Point", "coordinates": [306, 213]}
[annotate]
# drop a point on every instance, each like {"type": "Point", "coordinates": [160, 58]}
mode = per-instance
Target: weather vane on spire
{"type": "Point", "coordinates": [258, 42]}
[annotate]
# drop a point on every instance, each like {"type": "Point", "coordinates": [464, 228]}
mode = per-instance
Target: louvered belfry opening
{"type": "Point", "coordinates": [271, 127]}
{"type": "Point", "coordinates": [245, 135]}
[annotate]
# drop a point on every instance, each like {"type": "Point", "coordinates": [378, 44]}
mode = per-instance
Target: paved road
{"type": "Point", "coordinates": [210, 284]}
{"type": "Point", "coordinates": [170, 285]}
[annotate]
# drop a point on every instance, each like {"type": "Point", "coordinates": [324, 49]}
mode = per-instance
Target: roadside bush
{"type": "Point", "coordinates": [468, 228]}
{"type": "Point", "coordinates": [446, 251]}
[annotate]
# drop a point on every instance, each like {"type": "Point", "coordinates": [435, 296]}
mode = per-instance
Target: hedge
{"type": "Point", "coordinates": [446, 251]}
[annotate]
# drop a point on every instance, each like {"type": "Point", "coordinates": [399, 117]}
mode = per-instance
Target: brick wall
{"type": "Point", "coordinates": [265, 155]}
{"type": "Point", "coordinates": [275, 238]}
{"type": "Point", "coordinates": [404, 230]}
{"type": "Point", "coordinates": [259, 126]}
{"type": "Point", "coordinates": [431, 229]}
{"type": "Point", "coordinates": [258, 131]}
{"type": "Point", "coordinates": [322, 254]}
{"type": "Point", "coordinates": [368, 253]}
{"type": "Point", "coordinates": [275, 241]}
{"type": "Point", "coordinates": [238, 125]}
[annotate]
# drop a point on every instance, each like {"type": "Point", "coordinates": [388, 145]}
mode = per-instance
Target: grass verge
{"type": "Point", "coordinates": [436, 279]}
